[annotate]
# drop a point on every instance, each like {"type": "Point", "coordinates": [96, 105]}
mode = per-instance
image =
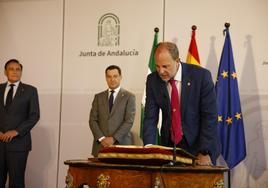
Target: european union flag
{"type": "Point", "coordinates": [230, 119]}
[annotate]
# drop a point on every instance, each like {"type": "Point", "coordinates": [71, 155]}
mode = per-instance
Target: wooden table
{"type": "Point", "coordinates": [105, 175]}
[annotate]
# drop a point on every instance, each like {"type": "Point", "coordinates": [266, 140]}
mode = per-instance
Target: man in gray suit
{"type": "Point", "coordinates": [19, 112]}
{"type": "Point", "coordinates": [112, 113]}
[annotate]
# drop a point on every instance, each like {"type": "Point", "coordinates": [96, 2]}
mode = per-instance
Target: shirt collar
{"type": "Point", "coordinates": [16, 84]}
{"type": "Point", "coordinates": [115, 90]}
{"type": "Point", "coordinates": [178, 75]}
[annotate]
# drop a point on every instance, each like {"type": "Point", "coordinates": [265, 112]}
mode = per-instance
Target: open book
{"type": "Point", "coordinates": [148, 155]}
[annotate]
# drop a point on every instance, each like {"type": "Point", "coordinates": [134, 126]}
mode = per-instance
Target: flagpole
{"type": "Point", "coordinates": [229, 178]}
{"type": "Point", "coordinates": [156, 30]}
{"type": "Point", "coordinates": [227, 25]}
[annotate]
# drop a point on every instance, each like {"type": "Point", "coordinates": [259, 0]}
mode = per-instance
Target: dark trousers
{"type": "Point", "coordinates": [12, 163]}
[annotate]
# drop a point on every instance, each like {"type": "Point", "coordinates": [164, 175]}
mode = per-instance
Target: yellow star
{"type": "Point", "coordinates": [224, 74]}
{"type": "Point", "coordinates": [219, 118]}
{"type": "Point", "coordinates": [229, 120]}
{"type": "Point", "coordinates": [234, 75]}
{"type": "Point", "coordinates": [238, 116]}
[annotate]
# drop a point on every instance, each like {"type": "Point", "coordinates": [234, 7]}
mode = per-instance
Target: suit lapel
{"type": "Point", "coordinates": [185, 88]}
{"type": "Point", "coordinates": [105, 102]}
{"type": "Point", "coordinates": [18, 94]}
{"type": "Point", "coordinates": [2, 94]}
{"type": "Point", "coordinates": [164, 93]}
{"type": "Point", "coordinates": [118, 98]}
{"type": "Point", "coordinates": [162, 97]}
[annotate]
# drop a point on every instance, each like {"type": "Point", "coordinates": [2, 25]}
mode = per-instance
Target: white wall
{"type": "Point", "coordinates": [31, 31]}
{"type": "Point", "coordinates": [48, 36]}
{"type": "Point", "coordinates": [249, 31]}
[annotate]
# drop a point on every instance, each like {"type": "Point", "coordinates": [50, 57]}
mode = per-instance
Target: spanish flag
{"type": "Point", "coordinates": [193, 57]}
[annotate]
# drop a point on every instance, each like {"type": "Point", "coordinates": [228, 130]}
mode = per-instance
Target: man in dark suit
{"type": "Point", "coordinates": [198, 105]}
{"type": "Point", "coordinates": [19, 112]}
{"type": "Point", "coordinates": [112, 113]}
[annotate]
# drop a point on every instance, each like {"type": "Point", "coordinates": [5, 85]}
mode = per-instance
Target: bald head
{"type": "Point", "coordinates": [170, 47]}
{"type": "Point", "coordinates": [166, 60]}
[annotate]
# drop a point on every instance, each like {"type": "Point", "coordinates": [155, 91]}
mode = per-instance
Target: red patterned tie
{"type": "Point", "coordinates": [176, 130]}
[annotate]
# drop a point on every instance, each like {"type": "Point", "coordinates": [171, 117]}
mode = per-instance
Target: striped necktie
{"type": "Point", "coordinates": [111, 100]}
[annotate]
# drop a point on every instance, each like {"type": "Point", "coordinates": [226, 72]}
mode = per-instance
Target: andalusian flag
{"type": "Point", "coordinates": [151, 68]}
{"type": "Point", "coordinates": [193, 57]}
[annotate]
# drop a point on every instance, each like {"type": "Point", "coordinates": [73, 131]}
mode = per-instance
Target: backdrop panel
{"type": "Point", "coordinates": [99, 33]}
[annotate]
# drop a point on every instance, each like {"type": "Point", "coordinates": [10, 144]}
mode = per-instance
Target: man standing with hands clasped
{"type": "Point", "coordinates": [185, 94]}
{"type": "Point", "coordinates": [112, 113]}
{"type": "Point", "coordinates": [19, 112]}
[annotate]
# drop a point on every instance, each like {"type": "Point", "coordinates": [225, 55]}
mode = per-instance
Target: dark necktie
{"type": "Point", "coordinates": [176, 129]}
{"type": "Point", "coordinates": [9, 96]}
{"type": "Point", "coordinates": [111, 100]}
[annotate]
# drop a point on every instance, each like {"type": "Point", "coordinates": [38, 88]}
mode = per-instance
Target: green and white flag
{"type": "Point", "coordinates": [151, 68]}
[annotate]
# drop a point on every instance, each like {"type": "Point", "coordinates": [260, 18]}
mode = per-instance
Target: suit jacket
{"type": "Point", "coordinates": [117, 123]}
{"type": "Point", "coordinates": [198, 110]}
{"type": "Point", "coordinates": [21, 116]}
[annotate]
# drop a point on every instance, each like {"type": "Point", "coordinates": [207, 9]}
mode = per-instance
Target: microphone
{"type": "Point", "coordinates": [173, 162]}
{"type": "Point", "coordinates": [174, 154]}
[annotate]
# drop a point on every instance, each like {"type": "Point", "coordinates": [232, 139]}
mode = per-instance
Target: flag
{"type": "Point", "coordinates": [151, 68]}
{"type": "Point", "coordinates": [230, 119]}
{"type": "Point", "coordinates": [193, 57]}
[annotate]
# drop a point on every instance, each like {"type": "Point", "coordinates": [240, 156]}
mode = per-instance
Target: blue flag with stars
{"type": "Point", "coordinates": [230, 119]}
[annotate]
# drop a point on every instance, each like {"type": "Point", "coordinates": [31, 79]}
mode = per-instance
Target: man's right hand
{"type": "Point", "coordinates": [107, 141]}
{"type": "Point", "coordinates": [203, 160]}
{"type": "Point", "coordinates": [1, 136]}
{"type": "Point", "coordinates": [9, 135]}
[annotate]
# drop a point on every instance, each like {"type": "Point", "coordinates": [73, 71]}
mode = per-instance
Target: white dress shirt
{"type": "Point", "coordinates": [15, 87]}
{"type": "Point", "coordinates": [178, 78]}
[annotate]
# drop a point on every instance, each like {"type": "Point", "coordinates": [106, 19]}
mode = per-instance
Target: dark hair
{"type": "Point", "coordinates": [111, 67]}
{"type": "Point", "coordinates": [13, 61]}
{"type": "Point", "coordinates": [171, 47]}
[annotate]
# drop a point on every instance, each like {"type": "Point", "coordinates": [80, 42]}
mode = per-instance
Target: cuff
{"type": "Point", "coordinates": [100, 139]}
